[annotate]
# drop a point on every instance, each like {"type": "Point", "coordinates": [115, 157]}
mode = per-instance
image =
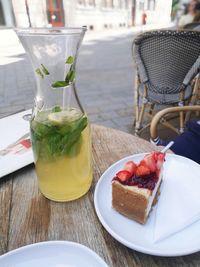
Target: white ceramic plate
{"type": "Point", "coordinates": [52, 254]}
{"type": "Point", "coordinates": [136, 236]}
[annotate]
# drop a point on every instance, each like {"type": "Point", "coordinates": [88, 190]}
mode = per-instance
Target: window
{"type": "Point", "coordinates": [151, 5]}
{"type": "Point", "coordinates": [141, 6]}
{"type": "Point", "coordinates": [91, 2]}
{"type": "Point", "coordinates": [2, 20]}
{"type": "Point", "coordinates": [126, 4]}
{"type": "Point", "coordinates": [110, 3]}
{"type": "Point", "coordinates": [120, 4]}
{"type": "Point", "coordinates": [85, 3]}
{"type": "Point", "coordinates": [81, 2]}
{"type": "Point", "coordinates": [107, 3]}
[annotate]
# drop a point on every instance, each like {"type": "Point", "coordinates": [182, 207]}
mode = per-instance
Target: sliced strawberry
{"type": "Point", "coordinates": [142, 170]}
{"type": "Point", "coordinates": [150, 162]}
{"type": "Point", "coordinates": [130, 166]}
{"type": "Point", "coordinates": [160, 160]}
{"type": "Point", "coordinates": [143, 163]}
{"type": "Point", "coordinates": [123, 175]}
{"type": "Point", "coordinates": [161, 156]}
{"type": "Point", "coordinates": [157, 154]}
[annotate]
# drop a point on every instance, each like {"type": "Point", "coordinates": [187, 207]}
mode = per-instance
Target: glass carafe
{"type": "Point", "coordinates": [60, 130]}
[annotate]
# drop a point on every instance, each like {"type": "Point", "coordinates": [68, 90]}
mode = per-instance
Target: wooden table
{"type": "Point", "coordinates": [27, 217]}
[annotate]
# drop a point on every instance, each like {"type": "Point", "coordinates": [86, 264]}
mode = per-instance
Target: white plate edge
{"type": "Point", "coordinates": [54, 242]}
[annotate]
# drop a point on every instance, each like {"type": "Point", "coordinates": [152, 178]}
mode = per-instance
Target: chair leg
{"type": "Point", "coordinates": [181, 113]}
{"type": "Point", "coordinates": [137, 109]}
{"type": "Point", "coordinates": [137, 103]}
{"type": "Point", "coordinates": [198, 112]}
{"type": "Point", "coordinates": [194, 97]}
{"type": "Point", "coordinates": [138, 124]}
{"type": "Point", "coordinates": [152, 105]}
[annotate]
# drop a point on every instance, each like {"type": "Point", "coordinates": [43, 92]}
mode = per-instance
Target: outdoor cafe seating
{"type": "Point", "coordinates": [168, 64]}
{"type": "Point", "coordinates": [97, 196]}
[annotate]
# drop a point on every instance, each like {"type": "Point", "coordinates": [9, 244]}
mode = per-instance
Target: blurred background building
{"type": "Point", "coordinates": [95, 14]}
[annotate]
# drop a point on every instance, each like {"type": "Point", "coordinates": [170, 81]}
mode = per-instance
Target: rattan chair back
{"type": "Point", "coordinates": [167, 60]}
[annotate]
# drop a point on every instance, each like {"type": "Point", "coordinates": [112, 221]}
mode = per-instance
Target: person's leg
{"type": "Point", "coordinates": [188, 143]}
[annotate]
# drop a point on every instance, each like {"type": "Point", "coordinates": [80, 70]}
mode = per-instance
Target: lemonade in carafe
{"type": "Point", "coordinates": [60, 130]}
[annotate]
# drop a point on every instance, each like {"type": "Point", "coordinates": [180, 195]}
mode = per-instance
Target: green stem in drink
{"type": "Point", "coordinates": [44, 70]}
{"type": "Point", "coordinates": [69, 77]}
{"type": "Point", "coordinates": [38, 71]}
{"type": "Point", "coordinates": [70, 60]}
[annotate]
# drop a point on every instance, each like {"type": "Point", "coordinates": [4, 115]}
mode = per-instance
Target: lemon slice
{"type": "Point", "coordinates": [64, 116]}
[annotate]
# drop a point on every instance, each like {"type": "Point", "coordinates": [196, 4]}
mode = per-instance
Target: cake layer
{"type": "Point", "coordinates": [154, 192]}
{"type": "Point", "coordinates": [129, 202]}
{"type": "Point", "coordinates": [133, 202]}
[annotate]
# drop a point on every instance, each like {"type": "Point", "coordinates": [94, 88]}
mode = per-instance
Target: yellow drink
{"type": "Point", "coordinates": [62, 152]}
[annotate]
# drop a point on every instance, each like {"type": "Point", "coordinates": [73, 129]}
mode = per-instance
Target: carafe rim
{"type": "Point", "coordinates": [50, 31]}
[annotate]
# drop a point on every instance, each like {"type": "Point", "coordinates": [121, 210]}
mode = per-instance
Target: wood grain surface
{"type": "Point", "coordinates": [27, 217]}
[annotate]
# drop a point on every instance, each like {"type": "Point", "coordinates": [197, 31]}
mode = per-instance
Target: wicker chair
{"type": "Point", "coordinates": [167, 62]}
{"type": "Point", "coordinates": [155, 138]}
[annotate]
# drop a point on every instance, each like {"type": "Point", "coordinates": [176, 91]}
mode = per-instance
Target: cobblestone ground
{"type": "Point", "coordinates": [105, 74]}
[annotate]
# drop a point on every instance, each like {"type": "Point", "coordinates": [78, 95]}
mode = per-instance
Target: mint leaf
{"type": "Point", "coordinates": [75, 147]}
{"type": "Point", "coordinates": [53, 143]}
{"type": "Point", "coordinates": [64, 129]}
{"type": "Point", "coordinates": [80, 125]}
{"type": "Point", "coordinates": [70, 76]}
{"type": "Point", "coordinates": [56, 109]}
{"type": "Point", "coordinates": [38, 71]}
{"type": "Point", "coordinates": [70, 60]}
{"type": "Point", "coordinates": [44, 70]}
{"type": "Point", "coordinates": [41, 129]}
{"type": "Point", "coordinates": [72, 139]}
{"type": "Point", "coordinates": [59, 84]}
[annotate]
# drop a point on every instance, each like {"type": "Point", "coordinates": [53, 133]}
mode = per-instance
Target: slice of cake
{"type": "Point", "coordinates": [136, 187]}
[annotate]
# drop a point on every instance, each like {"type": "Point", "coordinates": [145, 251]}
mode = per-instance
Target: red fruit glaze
{"type": "Point", "coordinates": [143, 175]}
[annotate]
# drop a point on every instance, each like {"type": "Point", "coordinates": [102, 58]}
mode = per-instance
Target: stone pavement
{"type": "Point", "coordinates": [105, 74]}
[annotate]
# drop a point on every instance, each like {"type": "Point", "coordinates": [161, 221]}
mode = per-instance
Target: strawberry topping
{"type": "Point", "coordinates": [142, 170]}
{"type": "Point", "coordinates": [123, 175]}
{"type": "Point", "coordinates": [150, 162]}
{"type": "Point", "coordinates": [130, 166]}
{"type": "Point", "coordinates": [143, 175]}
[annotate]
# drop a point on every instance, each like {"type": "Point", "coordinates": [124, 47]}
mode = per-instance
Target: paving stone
{"type": "Point", "coordinates": [108, 123]}
{"type": "Point", "coordinates": [91, 110]}
{"type": "Point", "coordinates": [125, 112]}
{"type": "Point", "coordinates": [11, 109]}
{"type": "Point", "coordinates": [123, 120]}
{"type": "Point", "coordinates": [111, 107]}
{"type": "Point", "coordinates": [109, 115]}
{"type": "Point", "coordinates": [95, 118]}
